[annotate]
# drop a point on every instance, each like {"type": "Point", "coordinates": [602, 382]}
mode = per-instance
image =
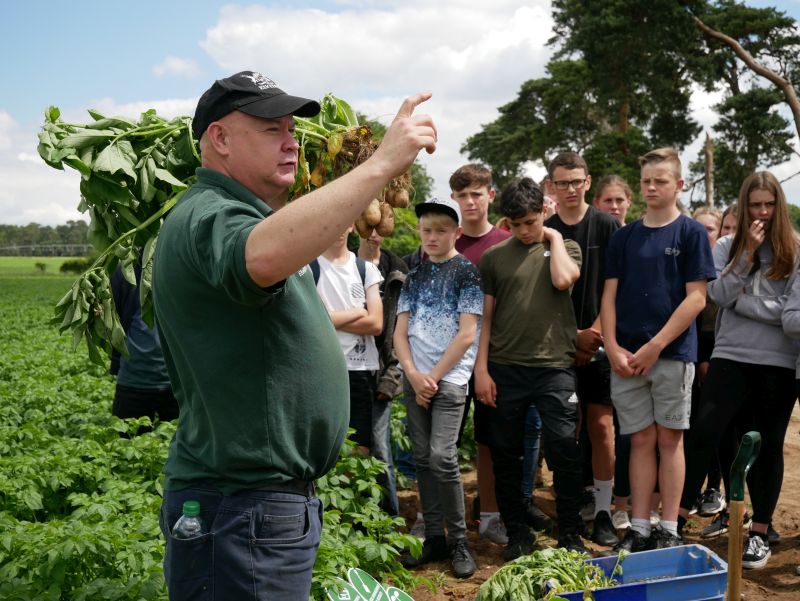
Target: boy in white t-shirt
{"type": "Point", "coordinates": [349, 289]}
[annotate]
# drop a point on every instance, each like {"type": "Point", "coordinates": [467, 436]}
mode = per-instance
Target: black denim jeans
{"type": "Point", "coordinates": [551, 390]}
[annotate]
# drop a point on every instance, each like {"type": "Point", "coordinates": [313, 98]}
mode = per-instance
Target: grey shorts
{"type": "Point", "coordinates": [663, 396]}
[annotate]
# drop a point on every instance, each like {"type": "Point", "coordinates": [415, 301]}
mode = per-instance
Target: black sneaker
{"type": "Point", "coordinates": [519, 543]}
{"type": "Point", "coordinates": [720, 524]}
{"type": "Point", "coordinates": [571, 541]}
{"type": "Point", "coordinates": [536, 518]}
{"type": "Point", "coordinates": [633, 542]}
{"type": "Point", "coordinates": [433, 549]}
{"type": "Point", "coordinates": [463, 564]}
{"type": "Point", "coordinates": [756, 551]}
{"type": "Point", "coordinates": [773, 536]}
{"type": "Point", "coordinates": [711, 502]}
{"type": "Point", "coordinates": [661, 539]}
{"type": "Point", "coordinates": [603, 532]}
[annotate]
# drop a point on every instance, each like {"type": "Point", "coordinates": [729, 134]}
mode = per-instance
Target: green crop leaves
{"type": "Point", "coordinates": [132, 173]}
{"type": "Point", "coordinates": [80, 492]}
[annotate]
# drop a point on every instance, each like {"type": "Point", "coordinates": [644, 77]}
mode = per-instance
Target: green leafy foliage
{"type": "Point", "coordinates": [80, 492]}
{"type": "Point", "coordinates": [132, 173]}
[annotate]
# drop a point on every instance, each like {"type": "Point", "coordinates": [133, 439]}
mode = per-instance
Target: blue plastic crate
{"type": "Point", "coordinates": [687, 573]}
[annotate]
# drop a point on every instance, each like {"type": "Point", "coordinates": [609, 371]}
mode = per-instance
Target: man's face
{"type": "Point", "coordinates": [474, 203]}
{"type": "Point", "coordinates": [528, 229]}
{"type": "Point", "coordinates": [262, 153]}
{"type": "Point", "coordinates": [660, 187]}
{"type": "Point", "coordinates": [568, 186]}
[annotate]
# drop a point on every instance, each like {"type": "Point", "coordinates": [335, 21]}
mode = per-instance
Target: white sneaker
{"type": "Point", "coordinates": [494, 530]}
{"type": "Point", "coordinates": [418, 529]}
{"type": "Point", "coordinates": [655, 518]}
{"type": "Point", "coordinates": [620, 520]}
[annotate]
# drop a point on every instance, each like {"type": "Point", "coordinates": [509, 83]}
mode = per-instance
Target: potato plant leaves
{"type": "Point", "coordinates": [133, 172]}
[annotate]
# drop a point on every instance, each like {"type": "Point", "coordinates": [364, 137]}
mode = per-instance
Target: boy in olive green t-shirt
{"type": "Point", "coordinates": [526, 351]}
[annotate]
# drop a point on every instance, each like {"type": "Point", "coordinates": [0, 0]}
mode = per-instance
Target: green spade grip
{"type": "Point", "coordinates": [745, 458]}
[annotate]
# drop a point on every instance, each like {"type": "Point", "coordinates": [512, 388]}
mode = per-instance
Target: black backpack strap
{"type": "Point", "coordinates": [362, 271]}
{"type": "Point", "coordinates": [314, 265]}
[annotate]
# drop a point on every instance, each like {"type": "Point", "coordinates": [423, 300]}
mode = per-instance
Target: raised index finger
{"type": "Point", "coordinates": [412, 102]}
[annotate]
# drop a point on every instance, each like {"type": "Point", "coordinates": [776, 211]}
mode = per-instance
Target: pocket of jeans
{"type": "Point", "coordinates": [282, 529]}
{"type": "Point", "coordinates": [188, 563]}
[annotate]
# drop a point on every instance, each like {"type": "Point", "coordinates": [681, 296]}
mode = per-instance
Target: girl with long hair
{"type": "Point", "coordinates": [751, 378]}
{"type": "Point", "coordinates": [613, 195]}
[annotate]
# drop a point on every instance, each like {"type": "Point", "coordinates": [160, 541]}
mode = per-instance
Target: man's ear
{"type": "Point", "coordinates": [459, 231]}
{"type": "Point", "coordinates": [492, 194]}
{"type": "Point", "coordinates": [217, 136]}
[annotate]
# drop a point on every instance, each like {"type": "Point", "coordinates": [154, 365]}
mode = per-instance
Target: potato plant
{"type": "Point", "coordinates": [134, 172]}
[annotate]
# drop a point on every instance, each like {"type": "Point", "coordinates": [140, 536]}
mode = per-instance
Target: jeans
{"type": "Point", "coordinates": [552, 391]}
{"type": "Point", "coordinates": [382, 449]}
{"type": "Point", "coordinates": [260, 545]}
{"type": "Point", "coordinates": [433, 432]}
{"type": "Point", "coordinates": [404, 460]}
{"type": "Point", "coordinates": [137, 402]}
{"type": "Point", "coordinates": [530, 444]}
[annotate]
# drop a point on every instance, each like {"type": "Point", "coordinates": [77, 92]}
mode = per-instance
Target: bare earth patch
{"type": "Point", "coordinates": [778, 581]}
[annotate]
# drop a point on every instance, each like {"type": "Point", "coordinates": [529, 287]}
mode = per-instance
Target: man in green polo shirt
{"type": "Point", "coordinates": [252, 355]}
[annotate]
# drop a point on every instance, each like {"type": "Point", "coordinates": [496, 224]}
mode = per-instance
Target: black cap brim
{"type": "Point", "coordinates": [275, 107]}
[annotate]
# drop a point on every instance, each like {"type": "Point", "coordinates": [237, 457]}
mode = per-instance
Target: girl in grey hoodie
{"type": "Point", "coordinates": [751, 378]}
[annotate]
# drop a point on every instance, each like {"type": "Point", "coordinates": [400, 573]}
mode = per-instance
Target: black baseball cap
{"type": "Point", "coordinates": [251, 93]}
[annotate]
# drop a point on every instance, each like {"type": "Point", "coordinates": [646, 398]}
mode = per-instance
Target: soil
{"type": "Point", "coordinates": [778, 581]}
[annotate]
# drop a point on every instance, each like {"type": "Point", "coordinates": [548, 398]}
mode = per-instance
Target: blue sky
{"type": "Point", "coordinates": [125, 57]}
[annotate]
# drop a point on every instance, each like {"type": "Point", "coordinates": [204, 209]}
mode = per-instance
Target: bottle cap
{"type": "Point", "coordinates": [191, 508]}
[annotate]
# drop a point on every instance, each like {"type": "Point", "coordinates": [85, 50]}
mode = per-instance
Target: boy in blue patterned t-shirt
{"type": "Point", "coordinates": [435, 339]}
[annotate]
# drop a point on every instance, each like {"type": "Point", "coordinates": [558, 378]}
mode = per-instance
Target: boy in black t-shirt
{"type": "Point", "coordinates": [568, 179]}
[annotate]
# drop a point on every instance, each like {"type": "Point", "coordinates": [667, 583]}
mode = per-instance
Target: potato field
{"type": "Point", "coordinates": [79, 498]}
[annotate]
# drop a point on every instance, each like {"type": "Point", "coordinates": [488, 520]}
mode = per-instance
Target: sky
{"type": "Point", "coordinates": [122, 58]}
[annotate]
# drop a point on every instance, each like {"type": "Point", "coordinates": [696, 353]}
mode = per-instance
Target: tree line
{"type": "Point", "coordinates": [621, 80]}
{"type": "Point", "coordinates": [13, 237]}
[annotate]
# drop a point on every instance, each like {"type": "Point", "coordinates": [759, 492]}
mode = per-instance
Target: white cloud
{"type": "Point", "coordinates": [168, 108]}
{"type": "Point", "coordinates": [174, 65]}
{"type": "Point", "coordinates": [34, 192]}
{"type": "Point", "coordinates": [7, 126]}
{"type": "Point", "coordinates": [472, 56]}
{"type": "Point", "coordinates": [29, 157]}
{"type": "Point", "coordinates": [31, 191]}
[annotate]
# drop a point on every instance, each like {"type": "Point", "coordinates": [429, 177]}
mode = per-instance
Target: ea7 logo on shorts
{"type": "Point", "coordinates": [674, 417]}
{"type": "Point", "coordinates": [672, 251]}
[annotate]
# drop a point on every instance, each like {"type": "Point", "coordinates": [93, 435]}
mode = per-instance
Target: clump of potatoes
{"type": "Point", "coordinates": [379, 214]}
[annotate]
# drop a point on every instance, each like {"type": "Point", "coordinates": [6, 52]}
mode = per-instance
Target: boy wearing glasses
{"type": "Point", "coordinates": [656, 278]}
{"type": "Point", "coordinates": [568, 180]}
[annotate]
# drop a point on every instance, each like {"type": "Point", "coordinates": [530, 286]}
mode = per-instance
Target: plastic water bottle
{"type": "Point", "coordinates": [189, 525]}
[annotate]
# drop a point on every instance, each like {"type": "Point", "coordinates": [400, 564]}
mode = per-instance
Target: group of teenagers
{"type": "Point", "coordinates": [637, 355]}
